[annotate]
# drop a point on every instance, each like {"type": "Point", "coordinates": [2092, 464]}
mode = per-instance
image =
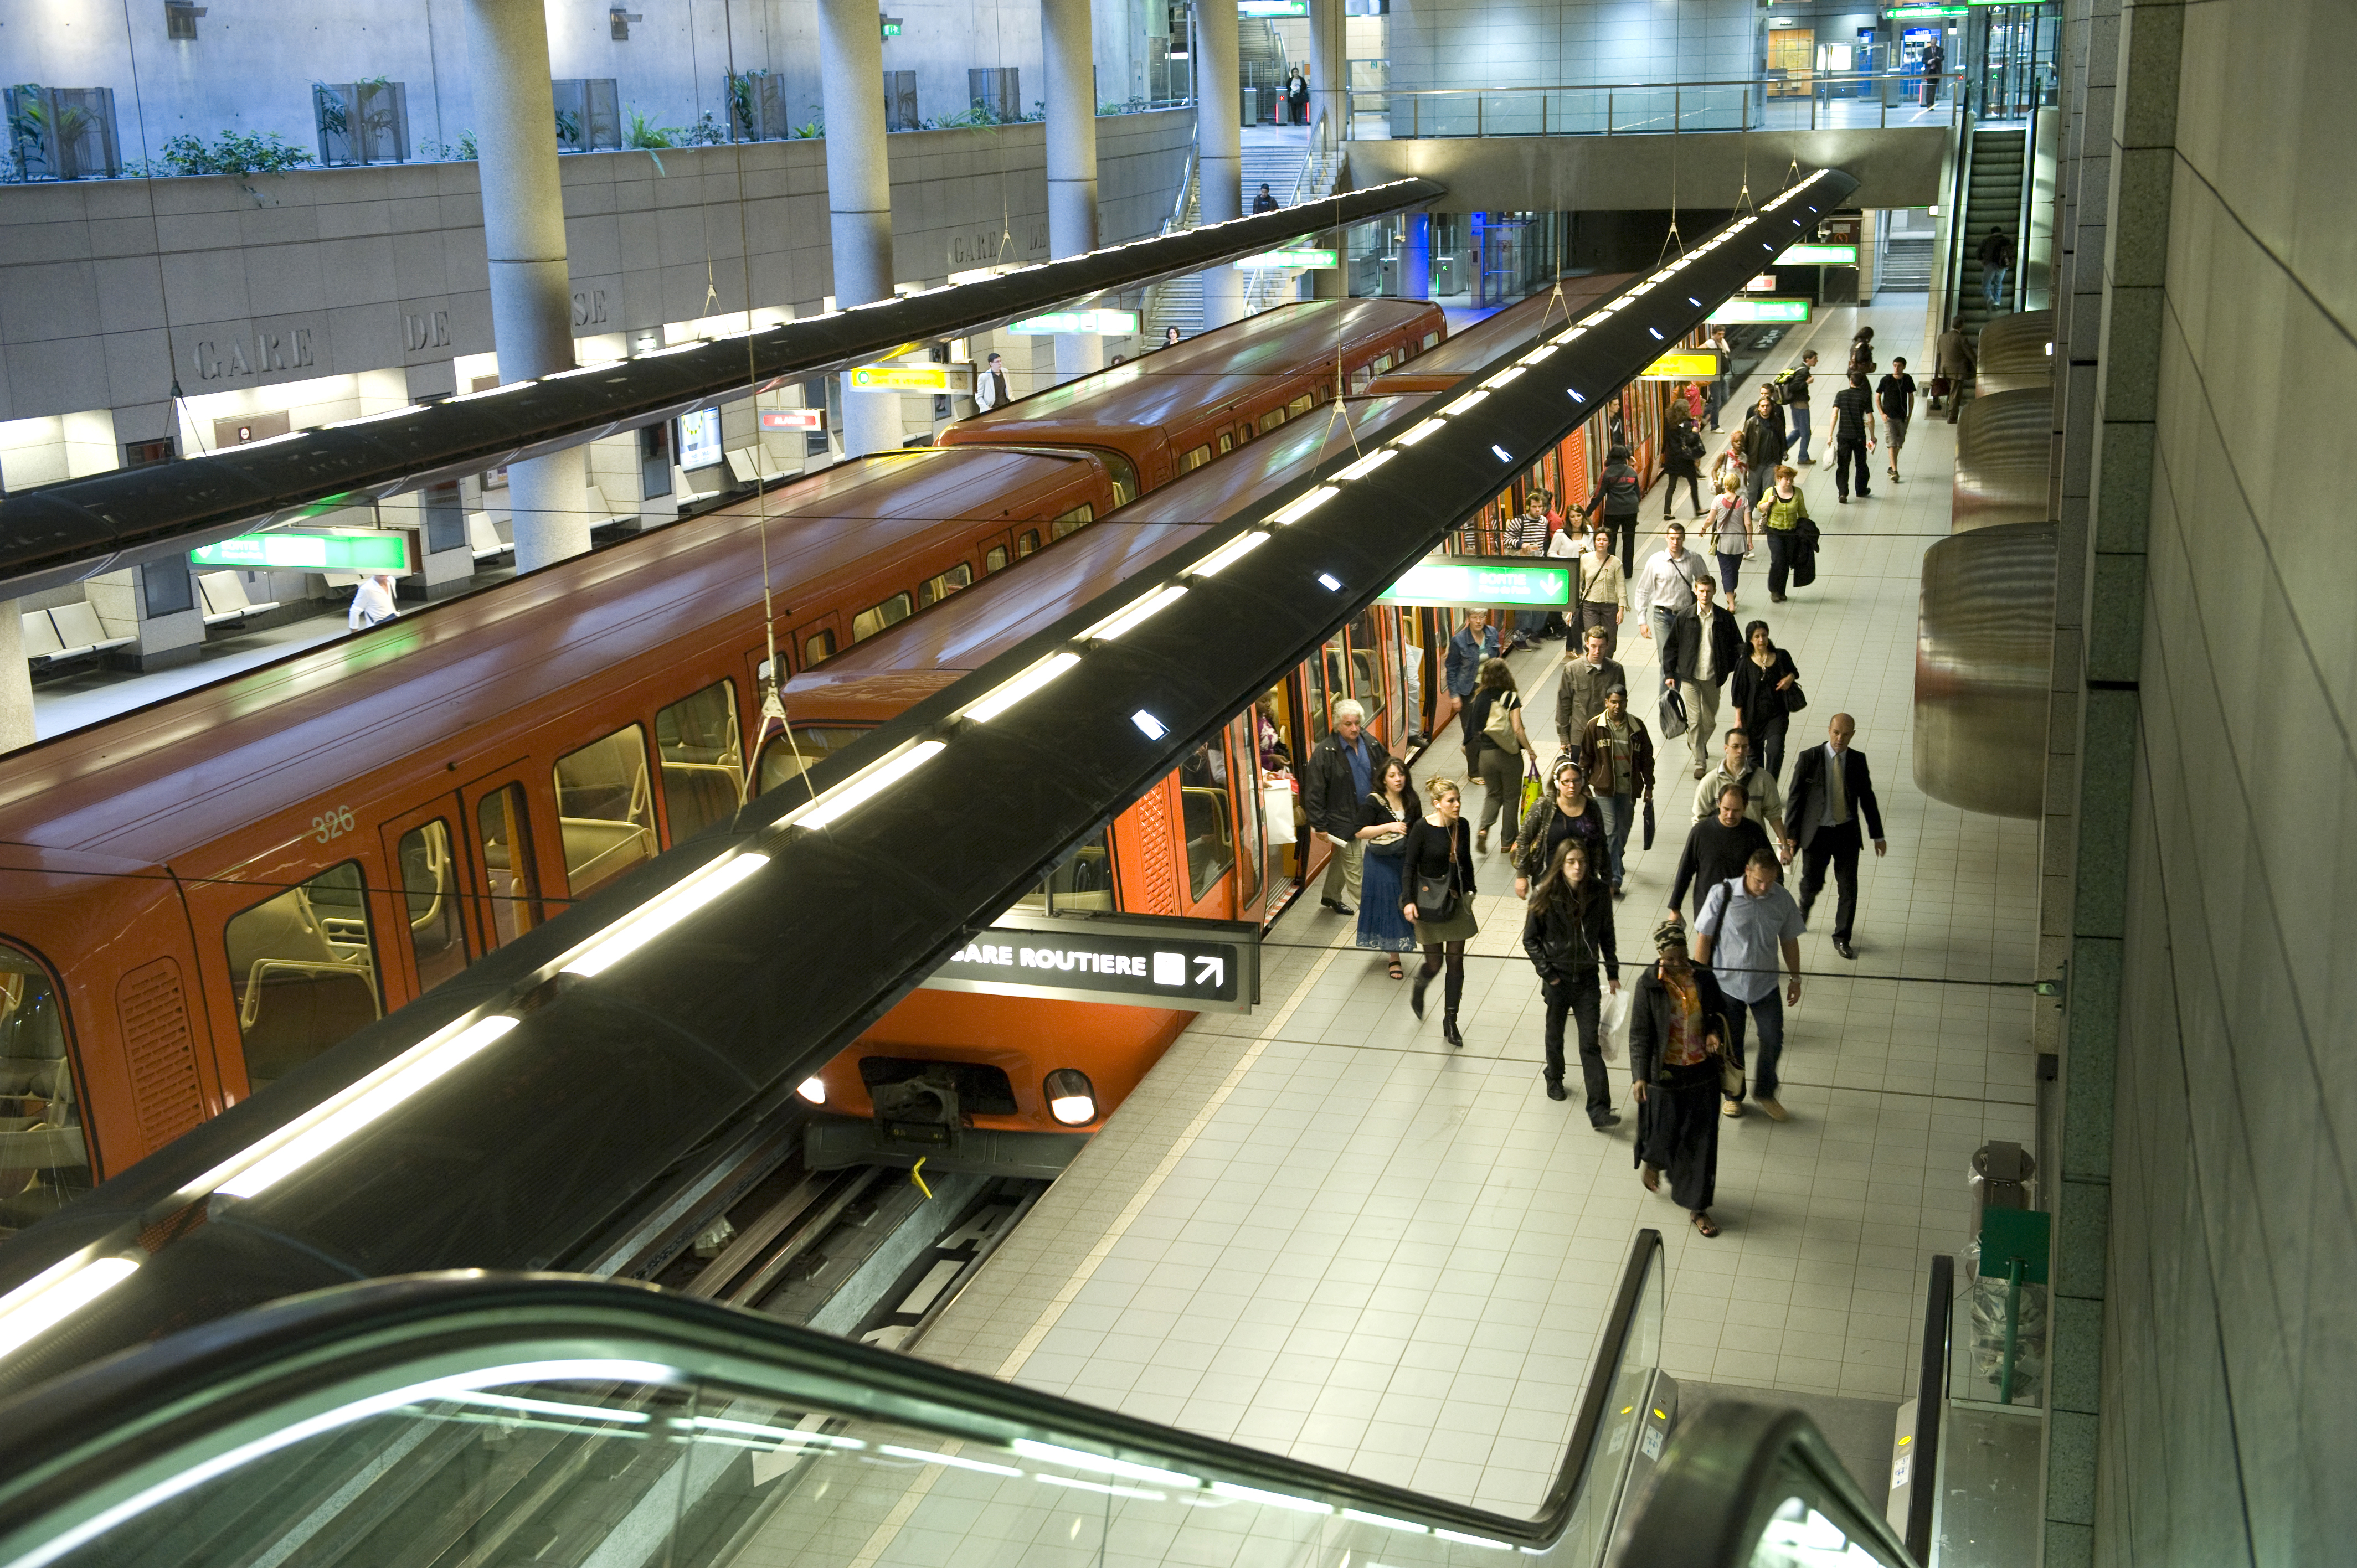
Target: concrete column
{"type": "Point", "coordinates": [859, 194]}
{"type": "Point", "coordinates": [1067, 37]}
{"type": "Point", "coordinates": [1219, 146]}
{"type": "Point", "coordinates": [523, 236]}
{"type": "Point", "coordinates": [1329, 68]}
{"type": "Point", "coordinates": [1416, 258]}
{"type": "Point", "coordinates": [16, 682]}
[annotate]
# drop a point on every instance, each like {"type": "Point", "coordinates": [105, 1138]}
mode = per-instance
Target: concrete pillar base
{"type": "Point", "coordinates": [871, 421]}
{"type": "Point", "coordinates": [16, 682]}
{"type": "Point", "coordinates": [546, 507]}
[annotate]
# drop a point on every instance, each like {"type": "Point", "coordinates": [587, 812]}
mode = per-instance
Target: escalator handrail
{"type": "Point", "coordinates": [1714, 1493]}
{"type": "Point", "coordinates": [1931, 1399]}
{"type": "Point", "coordinates": [67, 1446]}
{"type": "Point", "coordinates": [1595, 1400]}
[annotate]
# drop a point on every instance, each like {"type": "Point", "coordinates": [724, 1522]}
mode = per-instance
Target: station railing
{"type": "Point", "coordinates": [1776, 102]}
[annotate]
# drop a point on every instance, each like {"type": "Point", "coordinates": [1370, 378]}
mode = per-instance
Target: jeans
{"type": "Point", "coordinates": [1846, 454]}
{"type": "Point", "coordinates": [1619, 813]}
{"type": "Point", "coordinates": [1780, 560]}
{"type": "Point", "coordinates": [1769, 1014]}
{"type": "Point", "coordinates": [1757, 477]}
{"type": "Point", "coordinates": [1530, 623]}
{"type": "Point", "coordinates": [1579, 997]}
{"type": "Point", "coordinates": [1729, 568]}
{"type": "Point", "coordinates": [1797, 416]}
{"type": "Point", "coordinates": [1835, 845]}
{"type": "Point", "coordinates": [1993, 285]}
{"type": "Point", "coordinates": [1342, 868]}
{"type": "Point", "coordinates": [1659, 619]}
{"type": "Point", "coordinates": [1501, 773]}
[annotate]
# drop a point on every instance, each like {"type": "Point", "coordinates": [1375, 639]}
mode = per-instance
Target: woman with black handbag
{"type": "Point", "coordinates": [1767, 694]}
{"type": "Point", "coordinates": [1437, 867]}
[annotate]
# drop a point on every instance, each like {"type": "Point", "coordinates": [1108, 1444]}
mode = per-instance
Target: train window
{"type": "Point", "coordinates": [1081, 880]}
{"type": "Point", "coordinates": [1301, 405]}
{"type": "Point", "coordinates": [994, 560]}
{"type": "Point", "coordinates": [1073, 522]}
{"type": "Point", "coordinates": [1027, 543]}
{"type": "Point", "coordinates": [429, 883]}
{"type": "Point", "coordinates": [1431, 339]}
{"type": "Point", "coordinates": [1227, 443]}
{"type": "Point", "coordinates": [1332, 666]}
{"type": "Point", "coordinates": [1124, 477]}
{"type": "Point", "coordinates": [44, 1159]}
{"type": "Point", "coordinates": [1243, 746]}
{"type": "Point", "coordinates": [935, 588]}
{"type": "Point", "coordinates": [817, 647]}
{"type": "Point", "coordinates": [1271, 420]}
{"type": "Point", "coordinates": [1316, 671]}
{"type": "Point", "coordinates": [1198, 458]}
{"type": "Point", "coordinates": [1206, 818]}
{"type": "Point", "coordinates": [302, 971]}
{"type": "Point", "coordinates": [702, 755]}
{"type": "Point", "coordinates": [876, 618]}
{"type": "Point", "coordinates": [1383, 362]}
{"type": "Point", "coordinates": [1366, 679]}
{"type": "Point", "coordinates": [1359, 380]}
{"type": "Point", "coordinates": [511, 879]}
{"type": "Point", "coordinates": [787, 755]}
{"type": "Point", "coordinates": [604, 808]}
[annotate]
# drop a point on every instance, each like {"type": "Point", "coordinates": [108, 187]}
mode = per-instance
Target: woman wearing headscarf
{"type": "Point", "coordinates": [1677, 1036]}
{"type": "Point", "coordinates": [1568, 932]}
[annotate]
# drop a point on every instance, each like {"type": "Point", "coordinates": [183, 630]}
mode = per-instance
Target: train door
{"type": "Point", "coordinates": [507, 848]}
{"type": "Point", "coordinates": [1368, 685]}
{"type": "Point", "coordinates": [1207, 830]}
{"type": "Point", "coordinates": [1411, 635]}
{"type": "Point", "coordinates": [1252, 835]}
{"type": "Point", "coordinates": [1284, 710]}
{"type": "Point", "coordinates": [430, 935]}
{"type": "Point", "coordinates": [1317, 713]}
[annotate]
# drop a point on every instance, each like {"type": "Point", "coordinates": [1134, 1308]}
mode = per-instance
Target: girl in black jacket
{"type": "Point", "coordinates": [1568, 932]}
{"type": "Point", "coordinates": [1440, 846]}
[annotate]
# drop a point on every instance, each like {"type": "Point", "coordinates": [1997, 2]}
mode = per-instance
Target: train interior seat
{"type": "Point", "coordinates": [743, 463]}
{"type": "Point", "coordinates": [39, 1129]}
{"type": "Point", "coordinates": [225, 599]}
{"type": "Point", "coordinates": [604, 808]}
{"type": "Point", "coordinates": [483, 537]}
{"type": "Point", "coordinates": [66, 631]}
{"type": "Point", "coordinates": [316, 931]}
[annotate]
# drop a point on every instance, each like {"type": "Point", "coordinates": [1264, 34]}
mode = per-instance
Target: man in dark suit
{"type": "Point", "coordinates": [1699, 654]}
{"type": "Point", "coordinates": [1831, 789]}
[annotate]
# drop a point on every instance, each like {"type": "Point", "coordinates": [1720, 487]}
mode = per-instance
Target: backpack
{"type": "Point", "coordinates": [1780, 388]}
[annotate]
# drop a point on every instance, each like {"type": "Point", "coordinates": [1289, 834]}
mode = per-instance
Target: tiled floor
{"type": "Point", "coordinates": [1319, 1230]}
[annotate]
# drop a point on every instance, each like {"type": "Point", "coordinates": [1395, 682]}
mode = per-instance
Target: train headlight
{"type": "Point", "coordinates": [813, 1089]}
{"type": "Point", "coordinates": [1072, 1098]}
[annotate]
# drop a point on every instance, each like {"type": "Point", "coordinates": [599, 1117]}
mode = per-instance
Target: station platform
{"type": "Point", "coordinates": [1317, 1229]}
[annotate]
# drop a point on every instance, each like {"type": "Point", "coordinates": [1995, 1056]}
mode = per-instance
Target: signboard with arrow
{"type": "Point", "coordinates": [1133, 961]}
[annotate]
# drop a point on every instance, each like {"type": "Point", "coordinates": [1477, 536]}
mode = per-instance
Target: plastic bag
{"type": "Point", "coordinates": [1276, 809]}
{"type": "Point", "coordinates": [1612, 1023]}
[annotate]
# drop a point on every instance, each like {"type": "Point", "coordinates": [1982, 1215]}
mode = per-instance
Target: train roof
{"type": "Point", "coordinates": [159, 781]}
{"type": "Point", "coordinates": [1195, 375]}
{"type": "Point", "coordinates": [1468, 349]}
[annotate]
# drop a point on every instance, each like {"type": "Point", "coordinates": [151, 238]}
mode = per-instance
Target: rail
{"type": "Point", "coordinates": [1744, 1484]}
{"type": "Point", "coordinates": [598, 1420]}
{"type": "Point", "coordinates": [1799, 101]}
{"type": "Point", "coordinates": [1923, 1461]}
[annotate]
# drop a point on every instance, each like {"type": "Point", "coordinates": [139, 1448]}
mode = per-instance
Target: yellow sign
{"type": "Point", "coordinates": [907, 378]}
{"type": "Point", "coordinates": [1683, 365]}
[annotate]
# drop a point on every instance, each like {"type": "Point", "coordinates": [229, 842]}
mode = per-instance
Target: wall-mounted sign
{"type": "Point", "coordinates": [286, 551]}
{"type": "Point", "coordinates": [1296, 256]}
{"type": "Point", "coordinates": [1133, 961]}
{"type": "Point", "coordinates": [1683, 365]}
{"type": "Point", "coordinates": [1272, 7]}
{"type": "Point", "coordinates": [1765, 283]}
{"type": "Point", "coordinates": [913, 378]}
{"type": "Point", "coordinates": [1761, 310]}
{"type": "Point", "coordinates": [794, 419]}
{"type": "Point", "coordinates": [1116, 323]}
{"type": "Point", "coordinates": [1819, 256]}
{"type": "Point", "coordinates": [699, 438]}
{"type": "Point", "coordinates": [1472, 581]}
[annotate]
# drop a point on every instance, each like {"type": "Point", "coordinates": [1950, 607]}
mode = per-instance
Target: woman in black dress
{"type": "Point", "coordinates": [1677, 1033]}
{"type": "Point", "coordinates": [1440, 846]}
{"type": "Point", "coordinates": [1765, 682]}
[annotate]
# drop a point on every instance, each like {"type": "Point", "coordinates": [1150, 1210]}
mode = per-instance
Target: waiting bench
{"type": "Point", "coordinates": [484, 538]}
{"type": "Point", "coordinates": [224, 597]}
{"type": "Point", "coordinates": [66, 632]}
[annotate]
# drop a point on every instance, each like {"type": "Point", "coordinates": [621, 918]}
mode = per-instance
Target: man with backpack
{"type": "Point", "coordinates": [1792, 390]}
{"type": "Point", "coordinates": [1996, 260]}
{"type": "Point", "coordinates": [1620, 494]}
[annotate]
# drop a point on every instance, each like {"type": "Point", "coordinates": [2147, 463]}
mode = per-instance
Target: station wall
{"type": "Point", "coordinates": [1550, 43]}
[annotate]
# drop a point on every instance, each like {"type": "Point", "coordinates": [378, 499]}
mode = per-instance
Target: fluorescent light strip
{"type": "Point", "coordinates": [781, 1433]}
{"type": "Point", "coordinates": [550, 1407]}
{"type": "Point", "coordinates": [500, 391]}
{"type": "Point", "coordinates": [1466, 402]}
{"type": "Point", "coordinates": [1009, 693]}
{"type": "Point", "coordinates": [1462, 1539]}
{"type": "Point", "coordinates": [352, 1112]}
{"type": "Point", "coordinates": [373, 418]}
{"type": "Point", "coordinates": [1099, 1462]}
{"type": "Point", "coordinates": [1274, 1499]}
{"type": "Point", "coordinates": [1502, 377]}
{"type": "Point", "coordinates": [1134, 612]}
{"type": "Point", "coordinates": [1411, 436]}
{"type": "Point", "coordinates": [848, 795]}
{"type": "Point", "coordinates": [1302, 505]}
{"type": "Point", "coordinates": [1373, 460]}
{"type": "Point", "coordinates": [1228, 554]}
{"type": "Point", "coordinates": [56, 1293]}
{"type": "Point", "coordinates": [1387, 1522]}
{"type": "Point", "coordinates": [928, 1457]}
{"type": "Point", "coordinates": [661, 913]}
{"type": "Point", "coordinates": [1539, 353]}
{"type": "Point", "coordinates": [1101, 1488]}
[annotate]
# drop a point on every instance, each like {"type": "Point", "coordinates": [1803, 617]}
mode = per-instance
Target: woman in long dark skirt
{"type": "Point", "coordinates": [1385, 813]}
{"type": "Point", "coordinates": [1677, 1029]}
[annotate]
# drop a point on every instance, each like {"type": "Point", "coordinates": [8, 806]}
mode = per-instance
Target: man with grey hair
{"type": "Point", "coordinates": [1342, 770]}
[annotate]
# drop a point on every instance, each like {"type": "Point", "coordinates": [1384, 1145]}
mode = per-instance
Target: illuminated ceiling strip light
{"type": "Point", "coordinates": [954, 1461]}
{"type": "Point", "coordinates": [1462, 1539]}
{"type": "Point", "coordinates": [1370, 463]}
{"type": "Point", "coordinates": [67, 1541]}
{"type": "Point", "coordinates": [1102, 1489]}
{"type": "Point", "coordinates": [1131, 616]}
{"type": "Point", "coordinates": [1228, 554]}
{"type": "Point", "coordinates": [1387, 1522]}
{"type": "Point", "coordinates": [1009, 693]}
{"type": "Point", "coordinates": [549, 1407]}
{"type": "Point", "coordinates": [661, 913]}
{"type": "Point", "coordinates": [783, 1434]}
{"type": "Point", "coordinates": [847, 797]}
{"type": "Point", "coordinates": [56, 1293]}
{"type": "Point", "coordinates": [1466, 402]}
{"type": "Point", "coordinates": [350, 1112]}
{"type": "Point", "coordinates": [500, 391]}
{"type": "Point", "coordinates": [1099, 1462]}
{"type": "Point", "coordinates": [1502, 377]}
{"type": "Point", "coordinates": [1302, 505]}
{"type": "Point", "coordinates": [1274, 1499]}
{"type": "Point", "coordinates": [373, 418]}
{"type": "Point", "coordinates": [1541, 353]}
{"type": "Point", "coordinates": [1410, 437]}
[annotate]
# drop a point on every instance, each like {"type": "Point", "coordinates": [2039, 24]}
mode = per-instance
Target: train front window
{"type": "Point", "coordinates": [876, 618]}
{"type": "Point", "coordinates": [1071, 521]}
{"type": "Point", "coordinates": [702, 756]}
{"type": "Point", "coordinates": [1083, 880]}
{"type": "Point", "coordinates": [1198, 458]}
{"type": "Point", "coordinates": [44, 1158]}
{"type": "Point", "coordinates": [1124, 477]}
{"type": "Point", "coordinates": [605, 810]}
{"type": "Point", "coordinates": [788, 755]}
{"type": "Point", "coordinates": [302, 971]}
{"type": "Point", "coordinates": [429, 885]}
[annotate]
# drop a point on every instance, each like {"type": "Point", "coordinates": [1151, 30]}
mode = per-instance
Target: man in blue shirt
{"type": "Point", "coordinates": [1746, 924]}
{"type": "Point", "coordinates": [1468, 647]}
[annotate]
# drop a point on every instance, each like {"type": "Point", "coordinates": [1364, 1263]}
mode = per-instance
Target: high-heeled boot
{"type": "Point", "coordinates": [1416, 994]}
{"type": "Point", "coordinates": [1449, 1029]}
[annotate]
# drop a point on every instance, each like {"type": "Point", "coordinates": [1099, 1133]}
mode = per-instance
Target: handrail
{"type": "Point", "coordinates": [1596, 1399]}
{"type": "Point", "coordinates": [1814, 78]}
{"type": "Point", "coordinates": [1818, 87]}
{"type": "Point", "coordinates": [1728, 1476]}
{"type": "Point", "coordinates": [1931, 1400]}
{"type": "Point", "coordinates": [95, 1440]}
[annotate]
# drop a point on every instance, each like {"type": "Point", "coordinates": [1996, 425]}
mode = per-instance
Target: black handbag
{"type": "Point", "coordinates": [1435, 895]}
{"type": "Point", "coordinates": [1795, 698]}
{"type": "Point", "coordinates": [1648, 823]}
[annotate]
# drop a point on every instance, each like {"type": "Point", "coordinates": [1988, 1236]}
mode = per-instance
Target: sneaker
{"type": "Point", "coordinates": [1775, 1113]}
{"type": "Point", "coordinates": [1731, 1109]}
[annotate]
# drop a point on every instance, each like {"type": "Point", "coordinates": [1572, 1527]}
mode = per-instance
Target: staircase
{"type": "Point", "coordinates": [1993, 197]}
{"type": "Point", "coordinates": [1284, 159]}
{"type": "Point", "coordinates": [1906, 266]}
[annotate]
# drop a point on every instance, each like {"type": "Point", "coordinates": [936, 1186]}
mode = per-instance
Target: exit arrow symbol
{"type": "Point", "coordinates": [1211, 970]}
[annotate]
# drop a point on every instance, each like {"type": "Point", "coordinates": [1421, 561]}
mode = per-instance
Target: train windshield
{"type": "Point", "coordinates": [43, 1158]}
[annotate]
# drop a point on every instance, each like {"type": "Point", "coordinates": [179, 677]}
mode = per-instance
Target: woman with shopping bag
{"type": "Point", "coordinates": [1568, 932]}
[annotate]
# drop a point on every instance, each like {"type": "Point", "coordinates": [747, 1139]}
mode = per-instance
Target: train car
{"type": "Point", "coordinates": [1170, 412]}
{"type": "Point", "coordinates": [1468, 349]}
{"type": "Point", "coordinates": [1208, 841]}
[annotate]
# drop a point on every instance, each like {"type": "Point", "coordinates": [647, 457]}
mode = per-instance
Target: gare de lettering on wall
{"type": "Point", "coordinates": [219, 358]}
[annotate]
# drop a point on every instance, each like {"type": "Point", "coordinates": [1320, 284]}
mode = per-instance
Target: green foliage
{"type": "Point", "coordinates": [462, 151]}
{"type": "Point", "coordinates": [568, 128]}
{"type": "Point", "coordinates": [234, 153]}
{"type": "Point", "coordinates": [706, 131]}
{"type": "Point", "coordinates": [741, 94]}
{"type": "Point", "coordinates": [643, 135]}
{"type": "Point", "coordinates": [330, 104]}
{"type": "Point", "coordinates": [814, 127]}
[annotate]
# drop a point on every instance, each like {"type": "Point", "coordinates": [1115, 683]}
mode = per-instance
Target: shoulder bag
{"type": "Point", "coordinates": [1500, 729]}
{"type": "Point", "coordinates": [1436, 896]}
{"type": "Point", "coordinates": [1795, 698]}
